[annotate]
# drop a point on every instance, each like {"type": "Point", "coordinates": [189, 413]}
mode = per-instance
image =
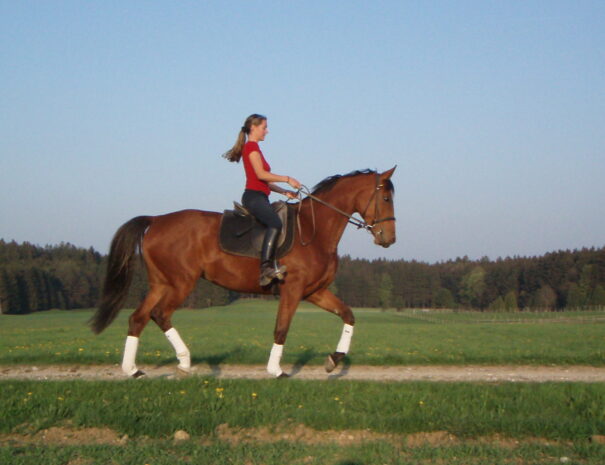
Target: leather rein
{"type": "Point", "coordinates": [360, 223]}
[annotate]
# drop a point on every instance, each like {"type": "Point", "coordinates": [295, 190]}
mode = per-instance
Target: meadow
{"type": "Point", "coordinates": [242, 333]}
{"type": "Point", "coordinates": [295, 421]}
{"type": "Point", "coordinates": [301, 422]}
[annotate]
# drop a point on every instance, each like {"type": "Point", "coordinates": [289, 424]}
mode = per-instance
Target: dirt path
{"type": "Point", "coordinates": [535, 374]}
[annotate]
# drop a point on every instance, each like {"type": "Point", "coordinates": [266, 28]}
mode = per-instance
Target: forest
{"type": "Point", "coordinates": [35, 278]}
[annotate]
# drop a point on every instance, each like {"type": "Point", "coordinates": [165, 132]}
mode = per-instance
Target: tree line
{"type": "Point", "coordinates": [34, 278]}
{"type": "Point", "coordinates": [555, 281]}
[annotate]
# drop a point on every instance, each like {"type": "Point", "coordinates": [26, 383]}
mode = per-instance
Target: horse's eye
{"type": "Point", "coordinates": [386, 199]}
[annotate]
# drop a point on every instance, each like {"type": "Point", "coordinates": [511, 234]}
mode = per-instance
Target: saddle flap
{"type": "Point", "coordinates": [241, 234]}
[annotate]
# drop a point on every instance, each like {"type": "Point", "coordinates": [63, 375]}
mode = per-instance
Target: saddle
{"type": "Point", "coordinates": [242, 234]}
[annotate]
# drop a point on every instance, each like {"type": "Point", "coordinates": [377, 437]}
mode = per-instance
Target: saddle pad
{"type": "Point", "coordinates": [243, 235]}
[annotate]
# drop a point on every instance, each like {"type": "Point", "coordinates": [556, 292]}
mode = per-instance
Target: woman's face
{"type": "Point", "coordinates": [258, 133]}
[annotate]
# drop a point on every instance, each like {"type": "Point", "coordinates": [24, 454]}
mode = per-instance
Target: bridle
{"type": "Point", "coordinates": [376, 207]}
{"type": "Point", "coordinates": [360, 223]}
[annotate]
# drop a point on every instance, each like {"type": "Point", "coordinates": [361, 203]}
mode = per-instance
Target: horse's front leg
{"type": "Point", "coordinates": [328, 301]}
{"type": "Point", "coordinates": [288, 303]}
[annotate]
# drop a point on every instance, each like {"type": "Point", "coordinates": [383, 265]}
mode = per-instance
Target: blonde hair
{"type": "Point", "coordinates": [235, 153]}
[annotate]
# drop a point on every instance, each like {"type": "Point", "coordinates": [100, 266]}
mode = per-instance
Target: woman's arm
{"type": "Point", "coordinates": [276, 188]}
{"type": "Point", "coordinates": [267, 176]}
{"type": "Point", "coordinates": [279, 190]}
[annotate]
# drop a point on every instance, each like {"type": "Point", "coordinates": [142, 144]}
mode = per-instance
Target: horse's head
{"type": "Point", "coordinates": [377, 209]}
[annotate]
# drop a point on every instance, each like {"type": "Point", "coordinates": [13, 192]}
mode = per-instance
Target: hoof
{"type": "Point", "coordinates": [333, 360]}
{"type": "Point", "coordinates": [283, 375]}
{"type": "Point", "coordinates": [139, 374]}
{"type": "Point", "coordinates": [182, 373]}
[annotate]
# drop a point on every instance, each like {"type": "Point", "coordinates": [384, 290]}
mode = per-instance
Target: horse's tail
{"type": "Point", "coordinates": [120, 269]}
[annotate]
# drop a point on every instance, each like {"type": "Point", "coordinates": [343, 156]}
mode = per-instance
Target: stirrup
{"type": "Point", "coordinates": [269, 273]}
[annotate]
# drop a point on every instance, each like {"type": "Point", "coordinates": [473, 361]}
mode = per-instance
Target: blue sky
{"type": "Point", "coordinates": [494, 112]}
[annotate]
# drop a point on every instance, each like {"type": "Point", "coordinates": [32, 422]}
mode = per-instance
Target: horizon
{"type": "Point", "coordinates": [347, 255]}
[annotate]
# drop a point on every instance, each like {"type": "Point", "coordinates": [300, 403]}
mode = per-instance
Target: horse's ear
{"type": "Point", "coordinates": [387, 174]}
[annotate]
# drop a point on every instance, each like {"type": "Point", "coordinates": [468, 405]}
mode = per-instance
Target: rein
{"type": "Point", "coordinates": [360, 223]}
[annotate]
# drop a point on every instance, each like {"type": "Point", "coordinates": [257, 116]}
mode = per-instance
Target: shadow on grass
{"type": "Point", "coordinates": [214, 361]}
{"type": "Point", "coordinates": [303, 359]}
{"type": "Point", "coordinates": [344, 371]}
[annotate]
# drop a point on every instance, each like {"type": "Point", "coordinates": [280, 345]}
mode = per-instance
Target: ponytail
{"type": "Point", "coordinates": [235, 153]}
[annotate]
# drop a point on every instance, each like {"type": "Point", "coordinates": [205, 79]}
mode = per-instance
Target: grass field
{"type": "Point", "coordinates": [294, 421]}
{"type": "Point", "coordinates": [508, 423]}
{"type": "Point", "coordinates": [280, 453]}
{"type": "Point", "coordinates": [242, 333]}
{"type": "Point", "coordinates": [157, 408]}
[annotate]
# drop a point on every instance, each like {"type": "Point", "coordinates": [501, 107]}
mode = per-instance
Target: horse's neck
{"type": "Point", "coordinates": [330, 224]}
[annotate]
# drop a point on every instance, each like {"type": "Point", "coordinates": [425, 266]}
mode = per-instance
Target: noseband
{"type": "Point", "coordinates": [360, 223]}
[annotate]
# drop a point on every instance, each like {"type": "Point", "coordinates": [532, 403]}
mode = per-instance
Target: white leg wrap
{"type": "Point", "coordinates": [273, 366]}
{"type": "Point", "coordinates": [345, 339]}
{"type": "Point", "coordinates": [130, 353]}
{"type": "Point", "coordinates": [182, 352]}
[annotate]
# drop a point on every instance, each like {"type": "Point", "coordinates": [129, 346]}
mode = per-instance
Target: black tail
{"type": "Point", "coordinates": [120, 269]}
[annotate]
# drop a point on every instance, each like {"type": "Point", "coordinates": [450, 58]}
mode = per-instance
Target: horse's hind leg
{"type": "Point", "coordinates": [328, 301]}
{"type": "Point", "coordinates": [162, 315]}
{"type": "Point", "coordinates": [137, 322]}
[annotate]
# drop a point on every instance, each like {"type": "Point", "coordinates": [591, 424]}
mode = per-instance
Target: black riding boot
{"type": "Point", "coordinates": [269, 269]}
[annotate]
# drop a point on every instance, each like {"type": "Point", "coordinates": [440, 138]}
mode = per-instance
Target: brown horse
{"type": "Point", "coordinates": [178, 248]}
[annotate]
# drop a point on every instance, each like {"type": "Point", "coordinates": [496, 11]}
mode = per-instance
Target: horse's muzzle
{"type": "Point", "coordinates": [382, 239]}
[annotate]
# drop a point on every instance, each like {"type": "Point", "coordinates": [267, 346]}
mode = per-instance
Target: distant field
{"type": "Point", "coordinates": [473, 317]}
{"type": "Point", "coordinates": [242, 333]}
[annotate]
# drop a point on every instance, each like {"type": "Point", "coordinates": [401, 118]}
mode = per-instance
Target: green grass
{"type": "Point", "coordinates": [464, 316]}
{"type": "Point", "coordinates": [379, 453]}
{"type": "Point", "coordinates": [242, 333]}
{"type": "Point", "coordinates": [150, 411]}
{"type": "Point", "coordinates": [157, 408]}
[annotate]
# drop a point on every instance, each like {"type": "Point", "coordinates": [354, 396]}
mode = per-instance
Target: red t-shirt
{"type": "Point", "coordinates": [252, 181]}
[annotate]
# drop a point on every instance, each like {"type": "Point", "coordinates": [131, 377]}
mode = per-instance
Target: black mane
{"type": "Point", "coordinates": [330, 181]}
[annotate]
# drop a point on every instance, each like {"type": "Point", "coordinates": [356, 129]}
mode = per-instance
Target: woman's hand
{"type": "Point", "coordinates": [294, 183]}
{"type": "Point", "coordinates": [291, 195]}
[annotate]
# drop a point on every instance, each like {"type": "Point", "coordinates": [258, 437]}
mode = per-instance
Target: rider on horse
{"type": "Point", "coordinates": [259, 183]}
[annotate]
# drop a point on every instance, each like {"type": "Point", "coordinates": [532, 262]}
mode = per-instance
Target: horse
{"type": "Point", "coordinates": [179, 248]}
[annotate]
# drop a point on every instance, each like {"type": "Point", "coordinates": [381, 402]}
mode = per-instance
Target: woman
{"type": "Point", "coordinates": [259, 183]}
